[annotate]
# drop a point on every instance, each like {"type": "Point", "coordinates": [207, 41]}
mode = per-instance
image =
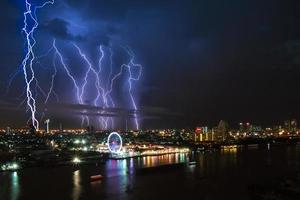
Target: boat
{"type": "Point", "coordinates": [96, 178]}
{"type": "Point", "coordinates": [192, 163]}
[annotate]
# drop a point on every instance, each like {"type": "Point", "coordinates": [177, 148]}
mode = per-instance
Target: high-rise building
{"type": "Point", "coordinates": [290, 125]}
{"type": "Point", "coordinates": [241, 129]}
{"type": "Point", "coordinates": [8, 130]}
{"type": "Point", "coordinates": [222, 131]}
{"type": "Point", "coordinates": [47, 121]}
{"type": "Point", "coordinates": [245, 127]}
{"type": "Point", "coordinates": [198, 134]}
{"type": "Point", "coordinates": [61, 129]}
{"type": "Point", "coordinates": [294, 125]}
{"type": "Point", "coordinates": [205, 133]}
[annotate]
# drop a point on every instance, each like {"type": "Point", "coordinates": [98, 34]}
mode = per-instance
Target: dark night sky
{"type": "Point", "coordinates": [203, 60]}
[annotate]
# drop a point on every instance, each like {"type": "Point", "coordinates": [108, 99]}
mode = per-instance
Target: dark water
{"type": "Point", "coordinates": [221, 175]}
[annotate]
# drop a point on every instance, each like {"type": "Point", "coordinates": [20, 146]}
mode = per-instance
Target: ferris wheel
{"type": "Point", "coordinates": [114, 142]}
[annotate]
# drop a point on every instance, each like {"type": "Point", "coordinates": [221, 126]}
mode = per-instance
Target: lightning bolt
{"type": "Point", "coordinates": [104, 84]}
{"type": "Point", "coordinates": [132, 78]}
{"type": "Point", "coordinates": [112, 104]}
{"type": "Point", "coordinates": [99, 87]}
{"type": "Point", "coordinates": [89, 69]}
{"type": "Point", "coordinates": [129, 67]}
{"type": "Point", "coordinates": [51, 90]}
{"type": "Point", "coordinates": [79, 90]}
{"type": "Point", "coordinates": [27, 63]}
{"type": "Point", "coordinates": [103, 121]}
{"type": "Point", "coordinates": [110, 85]}
{"type": "Point", "coordinates": [61, 59]}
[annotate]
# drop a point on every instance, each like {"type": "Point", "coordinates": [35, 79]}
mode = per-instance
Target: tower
{"type": "Point", "coordinates": [223, 128]}
{"type": "Point", "coordinates": [8, 130]}
{"type": "Point", "coordinates": [47, 121]}
{"type": "Point", "coordinates": [61, 129]}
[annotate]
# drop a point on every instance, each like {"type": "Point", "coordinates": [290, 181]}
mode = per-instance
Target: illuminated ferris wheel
{"type": "Point", "coordinates": [114, 142]}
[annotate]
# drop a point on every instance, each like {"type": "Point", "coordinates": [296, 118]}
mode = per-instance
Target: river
{"type": "Point", "coordinates": [218, 175]}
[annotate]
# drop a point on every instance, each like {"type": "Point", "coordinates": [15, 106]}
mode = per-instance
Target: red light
{"type": "Point", "coordinates": [198, 130]}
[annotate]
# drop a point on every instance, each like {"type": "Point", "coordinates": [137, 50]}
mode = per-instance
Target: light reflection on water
{"type": "Point", "coordinates": [126, 166]}
{"type": "Point", "coordinates": [119, 177]}
{"type": "Point", "coordinates": [211, 172]}
{"type": "Point", "coordinates": [15, 187]}
{"type": "Point", "coordinates": [77, 186]}
{"type": "Point", "coordinates": [119, 174]}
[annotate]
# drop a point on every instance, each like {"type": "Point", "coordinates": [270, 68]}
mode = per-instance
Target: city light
{"type": "Point", "coordinates": [10, 166]}
{"type": "Point", "coordinates": [76, 160]}
{"type": "Point", "coordinates": [149, 99]}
